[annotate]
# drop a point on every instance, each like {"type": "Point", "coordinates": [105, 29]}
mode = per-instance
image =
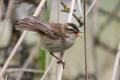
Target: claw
{"type": "Point", "coordinates": [61, 62]}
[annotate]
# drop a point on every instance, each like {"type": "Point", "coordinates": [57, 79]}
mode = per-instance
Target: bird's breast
{"type": "Point", "coordinates": [56, 45]}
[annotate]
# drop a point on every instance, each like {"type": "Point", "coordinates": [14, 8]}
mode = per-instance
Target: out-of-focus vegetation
{"type": "Point", "coordinates": [102, 40]}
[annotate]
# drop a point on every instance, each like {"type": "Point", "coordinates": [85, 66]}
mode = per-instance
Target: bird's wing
{"type": "Point", "coordinates": [37, 25]}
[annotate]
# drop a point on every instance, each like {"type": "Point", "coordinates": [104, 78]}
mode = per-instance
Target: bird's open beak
{"type": "Point", "coordinates": [77, 35]}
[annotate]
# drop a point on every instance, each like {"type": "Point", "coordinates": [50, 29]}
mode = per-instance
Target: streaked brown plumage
{"type": "Point", "coordinates": [55, 37]}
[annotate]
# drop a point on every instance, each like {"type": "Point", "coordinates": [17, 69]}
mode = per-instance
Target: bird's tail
{"type": "Point", "coordinates": [30, 24]}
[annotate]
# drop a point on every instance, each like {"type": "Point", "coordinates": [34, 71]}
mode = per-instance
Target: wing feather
{"type": "Point", "coordinates": [37, 25]}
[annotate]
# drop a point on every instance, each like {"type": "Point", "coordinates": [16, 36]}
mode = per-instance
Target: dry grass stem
{"type": "Point", "coordinates": [11, 70]}
{"type": "Point", "coordinates": [12, 54]}
{"type": "Point", "coordinates": [115, 68]}
{"type": "Point", "coordinates": [80, 7]}
{"type": "Point", "coordinates": [39, 8]}
{"type": "Point", "coordinates": [85, 44]}
{"type": "Point", "coordinates": [24, 70]}
{"type": "Point", "coordinates": [91, 7]}
{"type": "Point", "coordinates": [58, 11]}
{"type": "Point", "coordinates": [60, 67]}
{"type": "Point", "coordinates": [71, 11]}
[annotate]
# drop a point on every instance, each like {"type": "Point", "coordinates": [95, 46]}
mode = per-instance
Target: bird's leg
{"type": "Point", "coordinates": [62, 58]}
{"type": "Point", "coordinates": [59, 60]}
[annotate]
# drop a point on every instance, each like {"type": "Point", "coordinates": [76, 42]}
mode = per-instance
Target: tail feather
{"type": "Point", "coordinates": [26, 27]}
{"type": "Point", "coordinates": [26, 24]}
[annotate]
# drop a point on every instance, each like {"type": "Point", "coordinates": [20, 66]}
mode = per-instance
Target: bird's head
{"type": "Point", "coordinates": [72, 28]}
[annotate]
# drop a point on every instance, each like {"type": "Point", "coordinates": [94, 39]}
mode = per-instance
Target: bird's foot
{"type": "Point", "coordinates": [61, 62]}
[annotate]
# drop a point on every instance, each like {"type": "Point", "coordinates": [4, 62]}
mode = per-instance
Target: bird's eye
{"type": "Point", "coordinates": [70, 28]}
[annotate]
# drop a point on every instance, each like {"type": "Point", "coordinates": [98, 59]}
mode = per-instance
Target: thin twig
{"type": "Point", "coordinates": [24, 70]}
{"type": "Point", "coordinates": [71, 11]}
{"type": "Point", "coordinates": [89, 9]}
{"type": "Point", "coordinates": [2, 72]}
{"type": "Point", "coordinates": [47, 70]}
{"type": "Point", "coordinates": [116, 64]}
{"type": "Point", "coordinates": [85, 45]}
{"type": "Point", "coordinates": [91, 6]}
{"type": "Point", "coordinates": [80, 7]}
{"type": "Point", "coordinates": [11, 70]}
{"type": "Point", "coordinates": [58, 11]}
{"type": "Point", "coordinates": [60, 67]}
{"type": "Point", "coordinates": [67, 10]}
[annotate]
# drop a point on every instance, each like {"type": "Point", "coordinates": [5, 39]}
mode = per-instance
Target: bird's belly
{"type": "Point", "coordinates": [55, 45]}
{"type": "Point", "coordinates": [69, 42]}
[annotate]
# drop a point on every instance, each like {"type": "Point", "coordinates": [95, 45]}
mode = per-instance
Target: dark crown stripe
{"type": "Point", "coordinates": [74, 26]}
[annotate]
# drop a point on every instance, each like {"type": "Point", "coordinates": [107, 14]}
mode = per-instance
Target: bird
{"type": "Point", "coordinates": [54, 37]}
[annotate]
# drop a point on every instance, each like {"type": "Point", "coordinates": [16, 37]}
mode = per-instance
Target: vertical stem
{"type": "Point", "coordinates": [86, 72]}
{"type": "Point", "coordinates": [36, 13]}
{"type": "Point", "coordinates": [80, 7]}
{"type": "Point", "coordinates": [71, 11]}
{"type": "Point", "coordinates": [115, 68]}
{"type": "Point", "coordinates": [60, 67]}
{"type": "Point", "coordinates": [58, 11]}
